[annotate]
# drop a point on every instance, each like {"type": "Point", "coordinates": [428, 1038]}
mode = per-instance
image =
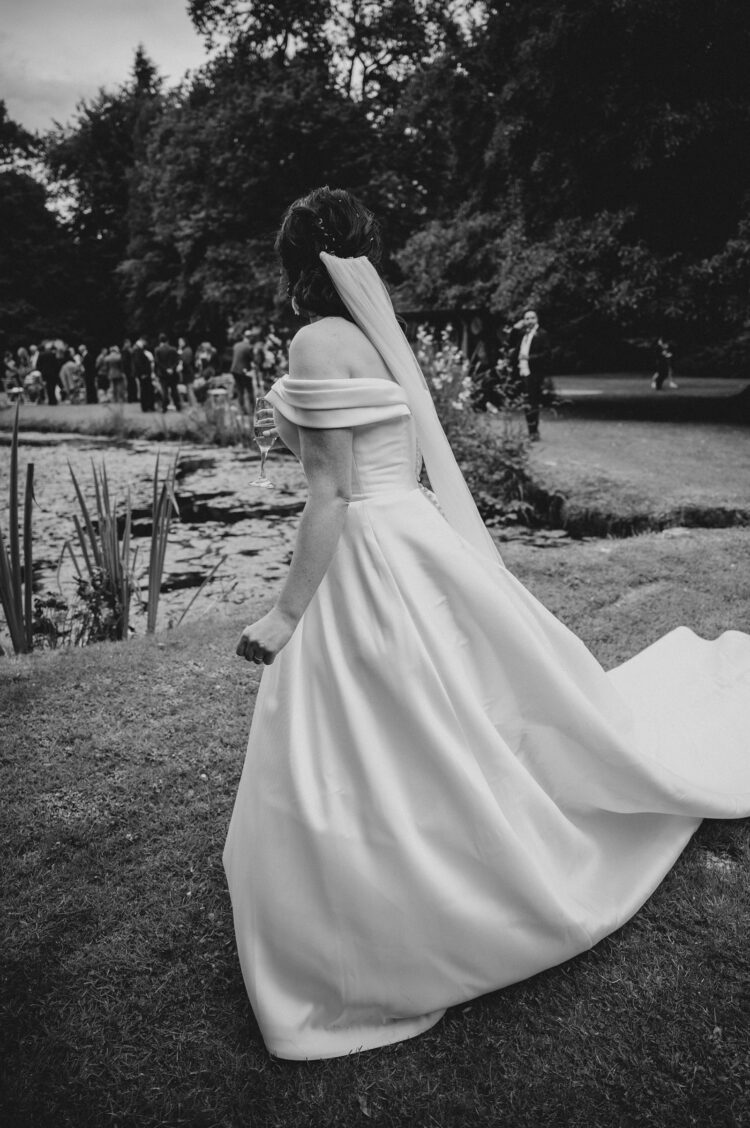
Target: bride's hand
{"type": "Point", "coordinates": [262, 641]}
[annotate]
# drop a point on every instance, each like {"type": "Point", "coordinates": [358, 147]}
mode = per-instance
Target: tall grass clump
{"type": "Point", "coordinates": [16, 581]}
{"type": "Point", "coordinates": [494, 457]}
{"type": "Point", "coordinates": [163, 506]}
{"type": "Point", "coordinates": [105, 575]}
{"type": "Point", "coordinates": [105, 561]}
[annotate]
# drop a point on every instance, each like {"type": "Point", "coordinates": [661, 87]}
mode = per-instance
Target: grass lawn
{"type": "Point", "coordinates": [125, 421]}
{"type": "Point", "coordinates": [655, 472]}
{"type": "Point", "coordinates": [122, 995]}
{"type": "Point", "coordinates": [615, 474]}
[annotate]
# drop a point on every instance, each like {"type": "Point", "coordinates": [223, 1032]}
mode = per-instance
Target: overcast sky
{"type": "Point", "coordinates": [55, 52]}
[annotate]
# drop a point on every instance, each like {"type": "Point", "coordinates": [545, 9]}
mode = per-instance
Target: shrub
{"type": "Point", "coordinates": [491, 449]}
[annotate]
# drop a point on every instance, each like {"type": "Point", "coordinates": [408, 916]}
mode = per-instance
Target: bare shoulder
{"type": "Point", "coordinates": [322, 350]}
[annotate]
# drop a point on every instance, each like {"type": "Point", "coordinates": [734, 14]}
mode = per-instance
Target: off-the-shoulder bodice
{"type": "Point", "coordinates": [338, 403]}
{"type": "Point", "coordinates": [384, 437]}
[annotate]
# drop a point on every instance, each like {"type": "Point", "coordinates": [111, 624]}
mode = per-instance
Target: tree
{"type": "Point", "coordinates": [93, 160]}
{"type": "Point", "coordinates": [35, 254]}
{"type": "Point", "coordinates": [614, 173]}
{"type": "Point", "coordinates": [226, 157]}
{"type": "Point", "coordinates": [368, 45]}
{"type": "Point", "coordinates": [17, 145]}
{"type": "Point", "coordinates": [629, 104]}
{"type": "Point", "coordinates": [274, 28]}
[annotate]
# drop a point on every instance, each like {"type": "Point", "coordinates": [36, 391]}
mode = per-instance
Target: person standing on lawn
{"type": "Point", "coordinates": [116, 373]}
{"type": "Point", "coordinates": [531, 363]}
{"type": "Point", "coordinates": [664, 374]}
{"type": "Point", "coordinates": [167, 361]}
{"type": "Point", "coordinates": [143, 374]}
{"type": "Point", "coordinates": [187, 368]}
{"type": "Point", "coordinates": [131, 385]}
{"type": "Point", "coordinates": [244, 368]}
{"type": "Point", "coordinates": [49, 364]}
{"type": "Point", "coordinates": [88, 363]}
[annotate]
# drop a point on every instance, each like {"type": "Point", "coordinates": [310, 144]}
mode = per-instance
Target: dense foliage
{"type": "Point", "coordinates": [592, 160]}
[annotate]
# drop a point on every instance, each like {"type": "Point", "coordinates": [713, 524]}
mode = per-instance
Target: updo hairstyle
{"type": "Point", "coordinates": [327, 219]}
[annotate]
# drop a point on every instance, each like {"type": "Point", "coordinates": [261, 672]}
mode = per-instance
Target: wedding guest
{"type": "Point", "coordinates": [187, 368]}
{"type": "Point", "coordinates": [49, 364]}
{"type": "Point", "coordinates": [10, 371]}
{"type": "Point", "coordinates": [143, 372]}
{"type": "Point", "coordinates": [664, 374]}
{"type": "Point", "coordinates": [243, 369]}
{"type": "Point", "coordinates": [206, 360]}
{"type": "Point", "coordinates": [70, 375]}
{"type": "Point", "coordinates": [102, 376]}
{"type": "Point", "coordinates": [33, 386]}
{"type": "Point", "coordinates": [88, 363]}
{"type": "Point", "coordinates": [116, 375]}
{"type": "Point", "coordinates": [167, 359]}
{"type": "Point", "coordinates": [23, 363]}
{"type": "Point", "coordinates": [126, 352]}
{"type": "Point", "coordinates": [531, 361]}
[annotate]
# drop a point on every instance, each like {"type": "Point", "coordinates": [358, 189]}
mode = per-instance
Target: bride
{"type": "Point", "coordinates": [443, 793]}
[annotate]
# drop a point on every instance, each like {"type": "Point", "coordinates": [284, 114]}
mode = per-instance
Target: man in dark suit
{"type": "Point", "coordinates": [532, 360]}
{"type": "Point", "coordinates": [167, 358]}
{"type": "Point", "coordinates": [88, 361]}
{"type": "Point", "coordinates": [131, 384]}
{"type": "Point", "coordinates": [49, 364]}
{"type": "Point", "coordinates": [243, 369]}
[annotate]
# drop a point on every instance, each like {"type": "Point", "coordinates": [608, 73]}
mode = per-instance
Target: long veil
{"type": "Point", "coordinates": [364, 294]}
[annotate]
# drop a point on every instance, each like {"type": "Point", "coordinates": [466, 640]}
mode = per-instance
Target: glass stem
{"type": "Point", "coordinates": [263, 456]}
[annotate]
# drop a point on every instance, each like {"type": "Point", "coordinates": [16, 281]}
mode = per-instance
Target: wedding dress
{"type": "Point", "coordinates": [444, 793]}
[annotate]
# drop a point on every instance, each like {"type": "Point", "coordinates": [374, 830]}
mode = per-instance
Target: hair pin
{"type": "Point", "coordinates": [328, 242]}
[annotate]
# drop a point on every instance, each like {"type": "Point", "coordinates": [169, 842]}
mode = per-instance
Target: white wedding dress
{"type": "Point", "coordinates": [444, 793]}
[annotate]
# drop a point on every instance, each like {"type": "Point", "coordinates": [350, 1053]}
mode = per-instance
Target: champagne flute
{"type": "Point", "coordinates": [264, 433]}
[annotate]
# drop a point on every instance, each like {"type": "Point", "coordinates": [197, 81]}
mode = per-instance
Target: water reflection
{"type": "Point", "coordinates": [222, 517]}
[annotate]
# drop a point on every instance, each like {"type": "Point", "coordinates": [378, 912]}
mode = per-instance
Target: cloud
{"type": "Point", "coordinates": [36, 100]}
{"type": "Point", "coordinates": [52, 55]}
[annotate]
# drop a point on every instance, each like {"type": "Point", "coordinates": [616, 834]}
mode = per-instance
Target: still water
{"type": "Point", "coordinates": [222, 517]}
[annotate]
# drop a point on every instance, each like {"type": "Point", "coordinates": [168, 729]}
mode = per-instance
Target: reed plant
{"type": "Point", "coordinates": [106, 574]}
{"type": "Point", "coordinates": [106, 577]}
{"type": "Point", "coordinates": [163, 506]}
{"type": "Point", "coordinates": [16, 581]}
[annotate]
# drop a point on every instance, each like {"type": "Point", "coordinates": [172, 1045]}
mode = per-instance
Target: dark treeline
{"type": "Point", "coordinates": [590, 159]}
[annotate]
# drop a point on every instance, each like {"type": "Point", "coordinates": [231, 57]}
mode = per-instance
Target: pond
{"type": "Point", "coordinates": [222, 517]}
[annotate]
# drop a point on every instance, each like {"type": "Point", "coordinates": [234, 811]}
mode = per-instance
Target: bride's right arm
{"type": "Point", "coordinates": [327, 459]}
{"type": "Point", "coordinates": [326, 455]}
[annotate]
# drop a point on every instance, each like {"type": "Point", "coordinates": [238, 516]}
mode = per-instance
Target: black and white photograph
{"type": "Point", "coordinates": [375, 564]}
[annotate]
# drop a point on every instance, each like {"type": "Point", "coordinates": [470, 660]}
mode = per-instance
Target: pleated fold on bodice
{"type": "Point", "coordinates": [384, 445]}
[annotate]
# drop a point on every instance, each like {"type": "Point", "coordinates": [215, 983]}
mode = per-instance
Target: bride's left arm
{"type": "Point", "coordinates": [327, 459]}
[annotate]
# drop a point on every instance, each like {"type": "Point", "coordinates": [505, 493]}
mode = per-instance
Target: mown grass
{"type": "Point", "coordinates": [123, 1001]}
{"type": "Point", "coordinates": [617, 474]}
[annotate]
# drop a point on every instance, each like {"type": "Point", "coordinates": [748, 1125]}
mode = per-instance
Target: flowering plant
{"type": "Point", "coordinates": [447, 372]}
{"type": "Point", "coordinates": [492, 448]}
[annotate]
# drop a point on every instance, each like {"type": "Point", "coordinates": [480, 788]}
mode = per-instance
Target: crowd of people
{"type": "Point", "coordinates": [175, 375]}
{"type": "Point", "coordinates": [159, 378]}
